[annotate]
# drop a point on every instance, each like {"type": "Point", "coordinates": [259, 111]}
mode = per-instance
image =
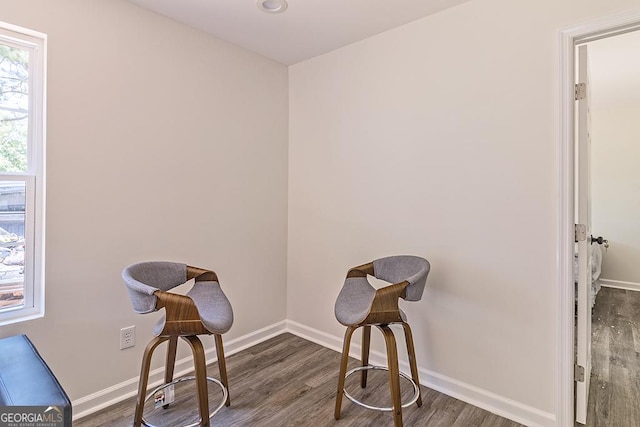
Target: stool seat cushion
{"type": "Point", "coordinates": [354, 301]}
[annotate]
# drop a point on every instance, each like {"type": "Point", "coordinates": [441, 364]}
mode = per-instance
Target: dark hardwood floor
{"type": "Point", "coordinates": [614, 393]}
{"type": "Point", "coordinates": [288, 381]}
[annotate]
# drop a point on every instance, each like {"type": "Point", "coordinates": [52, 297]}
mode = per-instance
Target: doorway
{"type": "Point", "coordinates": [612, 178]}
{"type": "Point", "coordinates": [599, 30]}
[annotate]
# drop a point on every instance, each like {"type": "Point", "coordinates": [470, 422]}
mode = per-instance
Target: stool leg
{"type": "Point", "coordinates": [170, 363]}
{"type": "Point", "coordinates": [412, 359]}
{"type": "Point", "coordinates": [200, 366]}
{"type": "Point", "coordinates": [343, 370]}
{"type": "Point", "coordinates": [171, 360]}
{"type": "Point", "coordinates": [144, 378]}
{"type": "Point", "coordinates": [366, 343]}
{"type": "Point", "coordinates": [222, 366]}
{"type": "Point", "coordinates": [394, 373]}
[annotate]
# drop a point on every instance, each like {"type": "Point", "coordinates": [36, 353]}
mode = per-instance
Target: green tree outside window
{"type": "Point", "coordinates": [14, 108]}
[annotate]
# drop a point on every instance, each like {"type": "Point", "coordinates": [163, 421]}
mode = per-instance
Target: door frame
{"type": "Point", "coordinates": [603, 27]}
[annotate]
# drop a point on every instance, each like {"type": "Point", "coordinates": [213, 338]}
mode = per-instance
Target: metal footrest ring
{"type": "Point", "coordinates": [225, 394]}
{"type": "Point", "coordinates": [414, 399]}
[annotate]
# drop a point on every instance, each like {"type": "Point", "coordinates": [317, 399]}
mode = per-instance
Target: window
{"type": "Point", "coordinates": [22, 156]}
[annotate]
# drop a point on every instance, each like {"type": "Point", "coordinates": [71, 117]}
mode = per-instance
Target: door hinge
{"type": "Point", "coordinates": [578, 373]}
{"type": "Point", "coordinates": [581, 91]}
{"type": "Point", "coordinates": [580, 232]}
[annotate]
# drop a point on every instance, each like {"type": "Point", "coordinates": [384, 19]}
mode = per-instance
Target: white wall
{"type": "Point", "coordinates": [615, 182]}
{"type": "Point", "coordinates": [163, 143]}
{"type": "Point", "coordinates": [440, 139]}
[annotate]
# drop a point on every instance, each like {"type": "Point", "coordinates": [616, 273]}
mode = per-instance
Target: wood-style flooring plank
{"type": "Point", "coordinates": [471, 416]}
{"type": "Point", "coordinates": [287, 381]}
{"type": "Point", "coordinates": [615, 376]}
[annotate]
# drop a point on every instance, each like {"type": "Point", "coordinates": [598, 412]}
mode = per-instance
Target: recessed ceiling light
{"type": "Point", "coordinates": [272, 6]}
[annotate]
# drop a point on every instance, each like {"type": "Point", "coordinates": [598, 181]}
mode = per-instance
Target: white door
{"type": "Point", "coordinates": [583, 207]}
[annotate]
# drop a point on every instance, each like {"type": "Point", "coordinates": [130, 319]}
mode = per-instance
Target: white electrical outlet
{"type": "Point", "coordinates": [127, 337]}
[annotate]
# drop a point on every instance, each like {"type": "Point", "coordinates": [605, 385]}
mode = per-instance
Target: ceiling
{"type": "Point", "coordinates": [306, 29]}
{"type": "Point", "coordinates": [614, 66]}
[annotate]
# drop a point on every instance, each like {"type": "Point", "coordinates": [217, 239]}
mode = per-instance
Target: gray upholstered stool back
{"type": "Point", "coordinates": [145, 278]}
{"type": "Point", "coordinates": [396, 269]}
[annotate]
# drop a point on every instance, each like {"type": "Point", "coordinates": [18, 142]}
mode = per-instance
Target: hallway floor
{"type": "Point", "coordinates": [615, 374]}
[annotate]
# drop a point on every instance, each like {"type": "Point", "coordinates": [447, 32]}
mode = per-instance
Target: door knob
{"type": "Point", "coordinates": [600, 240]}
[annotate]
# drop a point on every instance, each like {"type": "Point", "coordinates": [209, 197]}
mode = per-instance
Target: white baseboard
{"type": "Point", "coordinates": [473, 395]}
{"type": "Point", "coordinates": [119, 392]}
{"type": "Point", "coordinates": [481, 398]}
{"type": "Point", "coordinates": [630, 286]}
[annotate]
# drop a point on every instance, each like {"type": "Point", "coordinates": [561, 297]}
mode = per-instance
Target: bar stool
{"type": "Point", "coordinates": [359, 304]}
{"type": "Point", "coordinates": [205, 310]}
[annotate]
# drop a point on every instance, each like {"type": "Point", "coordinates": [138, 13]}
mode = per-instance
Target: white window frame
{"type": "Point", "coordinates": [34, 178]}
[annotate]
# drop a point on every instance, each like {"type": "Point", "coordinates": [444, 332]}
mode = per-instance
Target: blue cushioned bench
{"type": "Point", "coordinates": [26, 380]}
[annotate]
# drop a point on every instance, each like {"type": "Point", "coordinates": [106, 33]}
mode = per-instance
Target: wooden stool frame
{"type": "Point", "coordinates": [183, 321]}
{"type": "Point", "coordinates": [384, 312]}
